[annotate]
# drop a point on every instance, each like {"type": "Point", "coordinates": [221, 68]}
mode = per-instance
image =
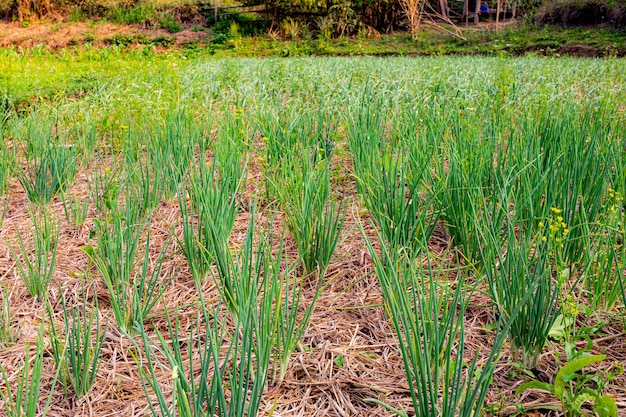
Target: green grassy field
{"type": "Point", "coordinates": [311, 236]}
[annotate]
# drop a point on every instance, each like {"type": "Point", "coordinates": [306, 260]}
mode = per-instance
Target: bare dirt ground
{"type": "Point", "coordinates": [62, 35]}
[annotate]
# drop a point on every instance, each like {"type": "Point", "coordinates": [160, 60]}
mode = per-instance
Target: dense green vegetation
{"type": "Point", "coordinates": [176, 221]}
{"type": "Point", "coordinates": [324, 19]}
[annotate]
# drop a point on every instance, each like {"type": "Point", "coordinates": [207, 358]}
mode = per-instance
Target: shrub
{"type": "Point", "coordinates": [169, 23]}
{"type": "Point", "coordinates": [582, 13]}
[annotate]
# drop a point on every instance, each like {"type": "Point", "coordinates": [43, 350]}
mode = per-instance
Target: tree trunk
{"type": "Point", "coordinates": [443, 5]}
{"type": "Point", "coordinates": [498, 8]}
{"type": "Point", "coordinates": [465, 12]}
{"type": "Point", "coordinates": [477, 12]}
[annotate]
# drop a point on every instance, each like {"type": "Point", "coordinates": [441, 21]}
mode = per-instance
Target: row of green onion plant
{"type": "Point", "coordinates": [209, 215]}
{"type": "Point", "coordinates": [134, 285]}
{"type": "Point", "coordinates": [37, 254]}
{"type": "Point", "coordinates": [49, 170]}
{"type": "Point", "coordinates": [76, 346]}
{"type": "Point", "coordinates": [21, 392]}
{"type": "Point", "coordinates": [233, 346]}
{"type": "Point", "coordinates": [427, 313]}
{"type": "Point", "coordinates": [170, 151]}
{"type": "Point", "coordinates": [517, 263]}
{"type": "Point", "coordinates": [8, 332]}
{"type": "Point", "coordinates": [565, 163]}
{"type": "Point", "coordinates": [391, 180]}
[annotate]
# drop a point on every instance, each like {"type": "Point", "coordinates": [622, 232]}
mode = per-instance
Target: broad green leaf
{"type": "Point", "coordinates": [579, 400]}
{"type": "Point", "coordinates": [570, 368]}
{"type": "Point", "coordinates": [535, 385]}
{"type": "Point", "coordinates": [605, 407]}
{"type": "Point", "coordinates": [558, 330]}
{"type": "Point", "coordinates": [339, 361]}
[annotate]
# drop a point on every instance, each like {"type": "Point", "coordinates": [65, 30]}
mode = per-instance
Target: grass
{"type": "Point", "coordinates": [251, 229]}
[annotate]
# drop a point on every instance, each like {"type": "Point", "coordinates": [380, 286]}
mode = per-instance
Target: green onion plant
{"type": "Point", "coordinates": [36, 261]}
{"type": "Point", "coordinates": [6, 165]}
{"type": "Point", "coordinates": [75, 208]}
{"type": "Point", "coordinates": [564, 163]}
{"type": "Point", "coordinates": [427, 312]}
{"type": "Point", "coordinates": [517, 263]}
{"type": "Point", "coordinates": [148, 179]}
{"type": "Point", "coordinates": [224, 382]}
{"type": "Point", "coordinates": [209, 217]}
{"type": "Point", "coordinates": [134, 287]}
{"type": "Point", "coordinates": [171, 151]}
{"type": "Point", "coordinates": [464, 178]}
{"type": "Point", "coordinates": [21, 399]}
{"type": "Point", "coordinates": [76, 347]}
{"type": "Point", "coordinates": [313, 219]}
{"type": "Point", "coordinates": [50, 171]}
{"type": "Point", "coordinates": [8, 332]}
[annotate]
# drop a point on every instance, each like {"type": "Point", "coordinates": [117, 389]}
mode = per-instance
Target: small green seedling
{"type": "Point", "coordinates": [572, 397]}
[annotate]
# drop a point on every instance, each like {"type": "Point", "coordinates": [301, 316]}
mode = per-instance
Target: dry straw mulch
{"type": "Point", "coordinates": [349, 350]}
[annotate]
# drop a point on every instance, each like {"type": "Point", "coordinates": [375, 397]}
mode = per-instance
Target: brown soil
{"type": "Point", "coordinates": [61, 35]}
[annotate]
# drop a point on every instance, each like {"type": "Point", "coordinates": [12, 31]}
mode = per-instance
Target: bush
{"type": "Point", "coordinates": [582, 13]}
{"type": "Point", "coordinates": [163, 40]}
{"type": "Point", "coordinates": [220, 39]}
{"type": "Point", "coordinates": [169, 23]}
{"type": "Point", "coordinates": [139, 13]}
{"type": "Point", "coordinates": [125, 40]}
